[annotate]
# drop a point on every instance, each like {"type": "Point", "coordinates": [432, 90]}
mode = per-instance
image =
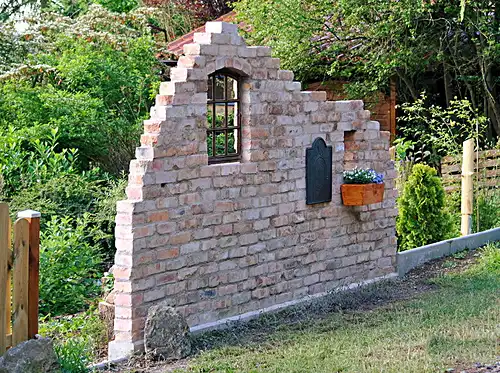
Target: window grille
{"type": "Point", "coordinates": [223, 117]}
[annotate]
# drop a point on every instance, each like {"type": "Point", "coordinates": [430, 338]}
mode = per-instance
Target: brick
{"type": "Point", "coordinates": [248, 239]}
{"type": "Point", "coordinates": [261, 224]}
{"type": "Point", "coordinates": [224, 206]}
{"type": "Point", "coordinates": [223, 230]}
{"type": "Point", "coordinates": [180, 238]}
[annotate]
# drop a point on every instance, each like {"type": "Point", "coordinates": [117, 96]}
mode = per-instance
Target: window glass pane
{"type": "Point", "coordinates": [210, 91]}
{"type": "Point", "coordinates": [232, 114]}
{"type": "Point", "coordinates": [219, 87]}
{"type": "Point", "coordinates": [210, 117]}
{"type": "Point", "coordinates": [220, 143]}
{"type": "Point", "coordinates": [220, 109]}
{"type": "Point", "coordinates": [232, 141]}
{"type": "Point", "coordinates": [232, 88]}
{"type": "Point", "coordinates": [209, 144]}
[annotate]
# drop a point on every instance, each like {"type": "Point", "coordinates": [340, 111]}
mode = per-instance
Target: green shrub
{"type": "Point", "coordinates": [27, 160]}
{"type": "Point", "coordinates": [66, 195]}
{"type": "Point", "coordinates": [452, 207]}
{"type": "Point", "coordinates": [38, 175]}
{"type": "Point", "coordinates": [422, 219]}
{"type": "Point", "coordinates": [490, 258]}
{"type": "Point", "coordinates": [73, 355]}
{"type": "Point", "coordinates": [432, 132]}
{"type": "Point", "coordinates": [220, 143]}
{"type": "Point", "coordinates": [103, 219]}
{"type": "Point", "coordinates": [487, 201]}
{"type": "Point", "coordinates": [78, 339]}
{"type": "Point", "coordinates": [92, 78]}
{"type": "Point", "coordinates": [70, 267]}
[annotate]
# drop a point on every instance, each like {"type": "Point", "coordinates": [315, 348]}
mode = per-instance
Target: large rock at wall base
{"type": "Point", "coordinates": [107, 315]}
{"type": "Point", "coordinates": [33, 356]}
{"type": "Point", "coordinates": [166, 334]}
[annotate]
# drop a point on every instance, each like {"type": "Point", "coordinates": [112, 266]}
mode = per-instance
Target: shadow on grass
{"type": "Point", "coordinates": [301, 317]}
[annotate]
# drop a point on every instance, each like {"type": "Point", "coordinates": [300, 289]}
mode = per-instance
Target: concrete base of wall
{"type": "Point", "coordinates": [407, 260]}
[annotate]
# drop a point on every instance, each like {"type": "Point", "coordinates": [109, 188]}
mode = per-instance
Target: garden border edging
{"type": "Point", "coordinates": [407, 260]}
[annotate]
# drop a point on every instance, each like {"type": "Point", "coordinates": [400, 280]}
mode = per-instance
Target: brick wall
{"type": "Point", "coordinates": [382, 107]}
{"type": "Point", "coordinates": [225, 239]}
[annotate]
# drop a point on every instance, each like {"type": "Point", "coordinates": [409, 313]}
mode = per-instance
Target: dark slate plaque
{"type": "Point", "coordinates": [318, 172]}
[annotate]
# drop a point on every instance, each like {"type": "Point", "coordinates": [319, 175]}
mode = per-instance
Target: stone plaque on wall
{"type": "Point", "coordinates": [318, 172]}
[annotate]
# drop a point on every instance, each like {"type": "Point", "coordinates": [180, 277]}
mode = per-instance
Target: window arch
{"type": "Point", "coordinates": [224, 117]}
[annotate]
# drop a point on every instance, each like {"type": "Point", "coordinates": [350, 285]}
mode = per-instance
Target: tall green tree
{"type": "Point", "coordinates": [368, 42]}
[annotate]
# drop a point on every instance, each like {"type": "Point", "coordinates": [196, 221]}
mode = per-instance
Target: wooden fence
{"type": "Point", "coordinates": [19, 277]}
{"type": "Point", "coordinates": [488, 176]}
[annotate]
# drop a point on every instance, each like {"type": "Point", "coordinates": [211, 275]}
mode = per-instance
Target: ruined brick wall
{"type": "Point", "coordinates": [225, 239]}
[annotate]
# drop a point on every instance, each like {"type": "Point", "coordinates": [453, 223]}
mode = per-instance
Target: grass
{"type": "Point", "coordinates": [454, 325]}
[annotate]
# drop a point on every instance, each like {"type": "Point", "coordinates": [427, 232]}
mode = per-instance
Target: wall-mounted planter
{"type": "Point", "coordinates": [362, 194]}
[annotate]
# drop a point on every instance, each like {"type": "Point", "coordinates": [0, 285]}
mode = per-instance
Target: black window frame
{"type": "Point", "coordinates": [211, 127]}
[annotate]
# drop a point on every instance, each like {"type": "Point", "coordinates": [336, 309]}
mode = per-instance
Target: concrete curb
{"type": "Point", "coordinates": [407, 260]}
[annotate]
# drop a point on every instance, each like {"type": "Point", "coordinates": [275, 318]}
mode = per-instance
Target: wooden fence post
{"type": "Point", "coordinates": [5, 261]}
{"type": "Point", "coordinates": [20, 279]}
{"type": "Point", "coordinates": [392, 152]}
{"type": "Point", "coordinates": [33, 218]}
{"type": "Point", "coordinates": [467, 187]}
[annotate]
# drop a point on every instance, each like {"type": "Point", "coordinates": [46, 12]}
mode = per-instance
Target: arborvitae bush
{"type": "Point", "coordinates": [422, 219]}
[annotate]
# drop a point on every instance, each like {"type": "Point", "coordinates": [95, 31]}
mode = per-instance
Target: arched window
{"type": "Point", "coordinates": [223, 117]}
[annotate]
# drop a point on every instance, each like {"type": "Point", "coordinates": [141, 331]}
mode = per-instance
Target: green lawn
{"type": "Point", "coordinates": [454, 325]}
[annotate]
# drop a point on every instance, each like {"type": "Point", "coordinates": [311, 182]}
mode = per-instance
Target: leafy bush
{"type": "Point", "coordinates": [488, 203]}
{"type": "Point", "coordinates": [66, 195]}
{"type": "Point", "coordinates": [73, 355]}
{"type": "Point", "coordinates": [490, 258]}
{"type": "Point", "coordinates": [220, 140]}
{"type": "Point", "coordinates": [103, 218]}
{"type": "Point", "coordinates": [422, 219]}
{"type": "Point", "coordinates": [78, 339]}
{"type": "Point", "coordinates": [431, 132]}
{"type": "Point", "coordinates": [26, 161]}
{"type": "Point", "coordinates": [486, 208]}
{"type": "Point", "coordinates": [93, 80]}
{"type": "Point", "coordinates": [362, 176]}
{"type": "Point", "coordinates": [70, 267]}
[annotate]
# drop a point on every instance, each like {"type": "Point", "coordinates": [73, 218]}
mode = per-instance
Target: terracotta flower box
{"type": "Point", "coordinates": [362, 194]}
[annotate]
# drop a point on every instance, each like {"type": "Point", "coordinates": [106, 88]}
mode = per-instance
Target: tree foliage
{"type": "Point", "coordinates": [201, 10]}
{"type": "Point", "coordinates": [424, 44]}
{"type": "Point", "coordinates": [91, 77]}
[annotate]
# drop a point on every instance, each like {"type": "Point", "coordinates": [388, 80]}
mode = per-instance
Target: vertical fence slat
{"type": "Point", "coordinates": [33, 218]}
{"type": "Point", "coordinates": [4, 273]}
{"type": "Point", "coordinates": [8, 300]}
{"type": "Point", "coordinates": [20, 278]}
{"type": "Point", "coordinates": [467, 187]}
{"type": "Point", "coordinates": [34, 274]}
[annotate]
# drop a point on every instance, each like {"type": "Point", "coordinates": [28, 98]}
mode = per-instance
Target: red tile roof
{"type": "Point", "coordinates": [176, 47]}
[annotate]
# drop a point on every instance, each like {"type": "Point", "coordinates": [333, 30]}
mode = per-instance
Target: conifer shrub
{"type": "Point", "coordinates": [422, 219]}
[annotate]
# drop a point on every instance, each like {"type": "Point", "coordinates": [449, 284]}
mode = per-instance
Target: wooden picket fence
{"type": "Point", "coordinates": [19, 277]}
{"type": "Point", "coordinates": [488, 176]}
